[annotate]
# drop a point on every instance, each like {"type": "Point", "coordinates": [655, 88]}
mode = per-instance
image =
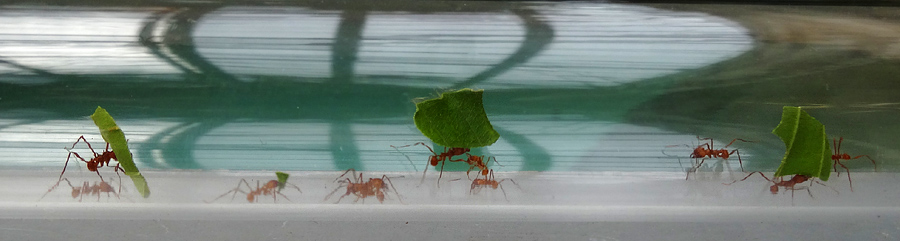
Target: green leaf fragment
{"type": "Point", "coordinates": [456, 119]}
{"type": "Point", "coordinates": [808, 151]}
{"type": "Point", "coordinates": [282, 179]}
{"type": "Point", "coordinates": [113, 135]}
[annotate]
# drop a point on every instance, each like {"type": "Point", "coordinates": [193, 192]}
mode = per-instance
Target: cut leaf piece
{"type": "Point", "coordinates": [808, 151]}
{"type": "Point", "coordinates": [113, 135]}
{"type": "Point", "coordinates": [282, 179]}
{"type": "Point", "coordinates": [456, 119]}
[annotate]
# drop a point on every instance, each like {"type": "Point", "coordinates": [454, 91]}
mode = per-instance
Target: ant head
{"type": "Point", "coordinates": [773, 189]}
{"type": "Point", "coordinates": [434, 160]}
{"type": "Point", "coordinates": [250, 197]}
{"type": "Point", "coordinates": [92, 166]}
{"type": "Point", "coordinates": [376, 182]}
{"type": "Point", "coordinates": [271, 184]}
{"type": "Point", "coordinates": [75, 192]}
{"type": "Point", "coordinates": [495, 184]}
{"type": "Point", "coordinates": [484, 172]}
{"type": "Point", "coordinates": [724, 154]}
{"type": "Point", "coordinates": [845, 156]}
{"type": "Point", "coordinates": [380, 196]}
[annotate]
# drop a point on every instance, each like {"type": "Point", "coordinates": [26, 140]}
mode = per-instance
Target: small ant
{"type": "Point", "coordinates": [86, 189]}
{"type": "Point", "coordinates": [838, 156]}
{"type": "Point", "coordinates": [373, 187]}
{"type": "Point", "coordinates": [270, 188]}
{"type": "Point", "coordinates": [707, 150]}
{"type": "Point", "coordinates": [98, 161]}
{"type": "Point", "coordinates": [489, 181]}
{"type": "Point", "coordinates": [477, 162]}
{"type": "Point", "coordinates": [436, 158]}
{"type": "Point", "coordinates": [790, 184]}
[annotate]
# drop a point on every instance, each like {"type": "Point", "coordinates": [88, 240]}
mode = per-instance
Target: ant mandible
{"type": "Point", "coordinates": [838, 156]}
{"type": "Point", "coordinates": [706, 150]}
{"type": "Point", "coordinates": [373, 187]}
{"type": "Point", "coordinates": [489, 181]}
{"type": "Point", "coordinates": [99, 160]}
{"type": "Point", "coordinates": [270, 188]}
{"type": "Point", "coordinates": [436, 158]}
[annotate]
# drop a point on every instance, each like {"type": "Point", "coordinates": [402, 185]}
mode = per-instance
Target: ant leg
{"type": "Point", "coordinates": [423, 174]}
{"type": "Point", "coordinates": [282, 195]}
{"type": "Point", "coordinates": [748, 176]}
{"type": "Point", "coordinates": [848, 173]}
{"type": "Point", "coordinates": [837, 151]}
{"type": "Point", "coordinates": [235, 191]}
{"type": "Point", "coordinates": [732, 142]}
{"type": "Point", "coordinates": [741, 162]}
{"type": "Point", "coordinates": [55, 186]}
{"type": "Point", "coordinates": [694, 169]}
{"type": "Point", "coordinates": [870, 159]}
{"type": "Point", "coordinates": [823, 184]}
{"type": "Point", "coordinates": [345, 173]}
{"type": "Point", "coordinates": [709, 145]}
{"type": "Point", "coordinates": [343, 184]}
{"type": "Point", "coordinates": [407, 158]}
{"type": "Point", "coordinates": [342, 197]}
{"type": "Point", "coordinates": [384, 177]}
{"type": "Point", "coordinates": [442, 173]}
{"type": "Point", "coordinates": [495, 161]}
{"type": "Point", "coordinates": [81, 138]}
{"type": "Point", "coordinates": [294, 186]}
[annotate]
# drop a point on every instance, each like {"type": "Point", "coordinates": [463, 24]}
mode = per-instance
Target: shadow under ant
{"type": "Point", "coordinates": [790, 184]}
{"type": "Point", "coordinates": [87, 189]}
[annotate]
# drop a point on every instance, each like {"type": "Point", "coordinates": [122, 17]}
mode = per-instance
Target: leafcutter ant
{"type": "Point", "coordinates": [477, 162]}
{"type": "Point", "coordinates": [270, 188]}
{"type": "Point", "coordinates": [838, 156]}
{"type": "Point", "coordinates": [488, 180]}
{"type": "Point", "coordinates": [377, 187]}
{"type": "Point", "coordinates": [436, 158]}
{"type": "Point", "coordinates": [707, 150]}
{"type": "Point", "coordinates": [99, 160]}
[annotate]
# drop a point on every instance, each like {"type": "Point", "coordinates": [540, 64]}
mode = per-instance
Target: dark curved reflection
{"type": "Point", "coordinates": [319, 86]}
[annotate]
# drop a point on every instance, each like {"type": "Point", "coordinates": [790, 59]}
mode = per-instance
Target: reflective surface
{"type": "Point", "coordinates": [570, 86]}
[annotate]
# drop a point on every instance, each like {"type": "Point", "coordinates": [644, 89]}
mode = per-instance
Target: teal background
{"type": "Point", "coordinates": [329, 86]}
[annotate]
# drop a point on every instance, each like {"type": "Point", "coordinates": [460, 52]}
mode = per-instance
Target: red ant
{"type": "Point", "coordinates": [98, 161]}
{"type": "Point", "coordinates": [270, 188]}
{"type": "Point", "coordinates": [707, 150]}
{"type": "Point", "coordinates": [790, 184]}
{"type": "Point", "coordinates": [439, 158]}
{"type": "Point", "coordinates": [489, 181]}
{"type": "Point", "coordinates": [86, 189]}
{"type": "Point", "coordinates": [838, 156]}
{"type": "Point", "coordinates": [374, 187]}
{"type": "Point", "coordinates": [477, 162]}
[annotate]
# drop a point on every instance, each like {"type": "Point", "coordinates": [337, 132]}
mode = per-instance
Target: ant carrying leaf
{"type": "Point", "coordinates": [272, 187]}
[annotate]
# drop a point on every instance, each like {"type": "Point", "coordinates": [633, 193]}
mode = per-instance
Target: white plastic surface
{"type": "Point", "coordinates": [544, 206]}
